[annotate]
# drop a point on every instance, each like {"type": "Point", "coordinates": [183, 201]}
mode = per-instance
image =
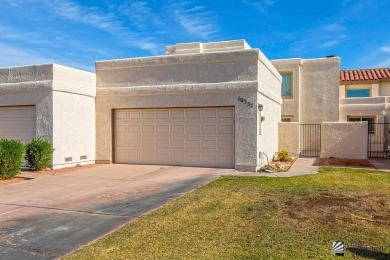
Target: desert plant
{"type": "Point", "coordinates": [11, 158]}
{"type": "Point", "coordinates": [39, 154]}
{"type": "Point", "coordinates": [283, 155]}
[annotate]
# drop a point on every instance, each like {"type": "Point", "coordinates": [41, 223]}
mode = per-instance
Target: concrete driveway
{"type": "Point", "coordinates": [51, 215]}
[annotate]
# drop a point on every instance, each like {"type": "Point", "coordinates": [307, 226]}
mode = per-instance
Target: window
{"type": "Point", "coordinates": [286, 84]}
{"type": "Point", "coordinates": [287, 119]}
{"type": "Point", "coordinates": [357, 93]}
{"type": "Point", "coordinates": [370, 120]}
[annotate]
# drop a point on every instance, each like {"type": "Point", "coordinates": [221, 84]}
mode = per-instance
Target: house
{"type": "Point", "coordinates": [53, 102]}
{"type": "Point", "coordinates": [365, 95]}
{"type": "Point", "coordinates": [310, 89]}
{"type": "Point", "coordinates": [201, 104]}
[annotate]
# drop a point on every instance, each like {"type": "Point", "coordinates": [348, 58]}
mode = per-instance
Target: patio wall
{"type": "Point", "coordinates": [289, 138]}
{"type": "Point", "coordinates": [344, 140]}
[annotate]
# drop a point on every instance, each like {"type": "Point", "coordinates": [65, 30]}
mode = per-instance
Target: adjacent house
{"type": "Point", "coordinates": [53, 102]}
{"type": "Point", "coordinates": [365, 95]}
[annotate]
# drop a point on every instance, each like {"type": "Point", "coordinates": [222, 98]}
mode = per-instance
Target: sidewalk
{"type": "Point", "coordinates": [302, 166]}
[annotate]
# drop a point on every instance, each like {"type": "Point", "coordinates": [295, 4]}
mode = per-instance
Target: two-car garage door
{"type": "Point", "coordinates": [176, 136]}
{"type": "Point", "coordinates": [18, 123]}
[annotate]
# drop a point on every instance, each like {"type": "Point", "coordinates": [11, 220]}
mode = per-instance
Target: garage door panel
{"type": "Point", "coordinates": [18, 123]}
{"type": "Point", "coordinates": [184, 136]}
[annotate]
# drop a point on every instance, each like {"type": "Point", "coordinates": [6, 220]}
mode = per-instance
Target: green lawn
{"type": "Point", "coordinates": [261, 218]}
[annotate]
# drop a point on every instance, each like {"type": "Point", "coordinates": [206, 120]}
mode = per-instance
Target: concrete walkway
{"type": "Point", "coordinates": [302, 166]}
{"type": "Point", "coordinates": [381, 164]}
{"type": "Point", "coordinates": [52, 215]}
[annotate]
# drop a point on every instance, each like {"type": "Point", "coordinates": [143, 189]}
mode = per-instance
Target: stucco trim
{"type": "Point", "coordinates": [26, 86]}
{"type": "Point", "coordinates": [183, 89]}
{"type": "Point", "coordinates": [172, 60]}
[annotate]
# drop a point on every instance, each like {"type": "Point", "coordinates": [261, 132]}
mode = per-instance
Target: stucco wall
{"type": "Point", "coordinates": [344, 140]}
{"type": "Point", "coordinates": [268, 95]}
{"type": "Point", "coordinates": [319, 94]}
{"type": "Point", "coordinates": [289, 138]}
{"type": "Point", "coordinates": [192, 80]}
{"type": "Point", "coordinates": [65, 106]}
{"type": "Point", "coordinates": [74, 131]}
{"type": "Point", "coordinates": [384, 88]}
{"type": "Point", "coordinates": [290, 105]}
{"type": "Point", "coordinates": [362, 107]}
{"type": "Point", "coordinates": [30, 85]}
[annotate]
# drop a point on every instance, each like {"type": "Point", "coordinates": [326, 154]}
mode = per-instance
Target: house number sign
{"type": "Point", "coordinates": [245, 101]}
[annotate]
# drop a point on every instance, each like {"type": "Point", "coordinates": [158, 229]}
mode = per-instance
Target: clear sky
{"type": "Point", "coordinates": [77, 33]}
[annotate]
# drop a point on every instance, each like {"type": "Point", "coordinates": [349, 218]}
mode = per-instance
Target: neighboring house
{"type": "Point", "coordinates": [365, 95]}
{"type": "Point", "coordinates": [310, 89]}
{"type": "Point", "coordinates": [51, 102]}
{"type": "Point", "coordinates": [213, 105]}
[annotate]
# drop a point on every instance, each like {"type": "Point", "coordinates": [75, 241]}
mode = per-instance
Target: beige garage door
{"type": "Point", "coordinates": [17, 123]}
{"type": "Point", "coordinates": [179, 136]}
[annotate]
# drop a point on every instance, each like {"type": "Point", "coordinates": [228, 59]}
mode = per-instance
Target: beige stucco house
{"type": "Point", "coordinates": [365, 95]}
{"type": "Point", "coordinates": [212, 105]}
{"type": "Point", "coordinates": [310, 89]}
{"type": "Point", "coordinates": [53, 102]}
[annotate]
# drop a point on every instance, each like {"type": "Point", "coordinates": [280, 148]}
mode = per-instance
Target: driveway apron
{"type": "Point", "coordinates": [52, 215]}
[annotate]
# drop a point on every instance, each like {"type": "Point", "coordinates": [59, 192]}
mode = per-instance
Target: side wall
{"type": "Point", "coordinates": [74, 117]}
{"type": "Point", "coordinates": [268, 96]}
{"type": "Point", "coordinates": [290, 105]}
{"type": "Point", "coordinates": [344, 140]}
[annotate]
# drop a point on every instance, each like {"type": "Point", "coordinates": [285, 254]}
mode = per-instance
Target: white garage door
{"type": "Point", "coordinates": [17, 123]}
{"type": "Point", "coordinates": [177, 136]}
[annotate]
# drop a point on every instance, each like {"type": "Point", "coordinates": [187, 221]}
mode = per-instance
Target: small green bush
{"type": "Point", "coordinates": [11, 158]}
{"type": "Point", "coordinates": [38, 154]}
{"type": "Point", "coordinates": [283, 156]}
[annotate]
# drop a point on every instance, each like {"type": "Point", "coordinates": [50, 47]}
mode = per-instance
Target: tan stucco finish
{"type": "Point", "coordinates": [344, 140]}
{"type": "Point", "coordinates": [289, 138]}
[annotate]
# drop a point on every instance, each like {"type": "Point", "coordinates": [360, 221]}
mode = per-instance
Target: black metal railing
{"type": "Point", "coordinates": [378, 140]}
{"type": "Point", "coordinates": [309, 140]}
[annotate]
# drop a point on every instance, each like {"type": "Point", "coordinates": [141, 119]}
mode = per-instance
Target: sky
{"type": "Point", "coordinates": [77, 33]}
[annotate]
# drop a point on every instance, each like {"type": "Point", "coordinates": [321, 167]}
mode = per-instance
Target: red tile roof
{"type": "Point", "coordinates": [364, 74]}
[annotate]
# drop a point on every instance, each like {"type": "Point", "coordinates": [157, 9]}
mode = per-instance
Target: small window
{"type": "Point", "coordinates": [358, 93]}
{"type": "Point", "coordinates": [286, 119]}
{"type": "Point", "coordinates": [370, 120]}
{"type": "Point", "coordinates": [286, 84]}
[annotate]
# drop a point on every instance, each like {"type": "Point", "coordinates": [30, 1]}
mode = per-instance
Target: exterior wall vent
{"type": "Point", "coordinates": [83, 157]}
{"type": "Point", "coordinates": [68, 159]}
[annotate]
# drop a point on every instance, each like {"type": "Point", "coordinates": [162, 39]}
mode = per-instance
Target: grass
{"type": "Point", "coordinates": [262, 218]}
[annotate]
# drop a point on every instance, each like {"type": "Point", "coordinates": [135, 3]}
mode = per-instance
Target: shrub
{"type": "Point", "coordinates": [38, 154]}
{"type": "Point", "coordinates": [283, 156]}
{"type": "Point", "coordinates": [11, 158]}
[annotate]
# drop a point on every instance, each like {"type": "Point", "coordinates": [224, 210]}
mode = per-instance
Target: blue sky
{"type": "Point", "coordinates": [77, 33]}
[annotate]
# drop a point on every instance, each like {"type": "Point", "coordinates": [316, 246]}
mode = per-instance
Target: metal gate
{"type": "Point", "coordinates": [378, 140]}
{"type": "Point", "coordinates": [309, 140]}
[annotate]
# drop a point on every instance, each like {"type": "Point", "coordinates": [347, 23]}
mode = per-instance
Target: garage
{"type": "Point", "coordinates": [18, 123]}
{"type": "Point", "coordinates": [175, 136]}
